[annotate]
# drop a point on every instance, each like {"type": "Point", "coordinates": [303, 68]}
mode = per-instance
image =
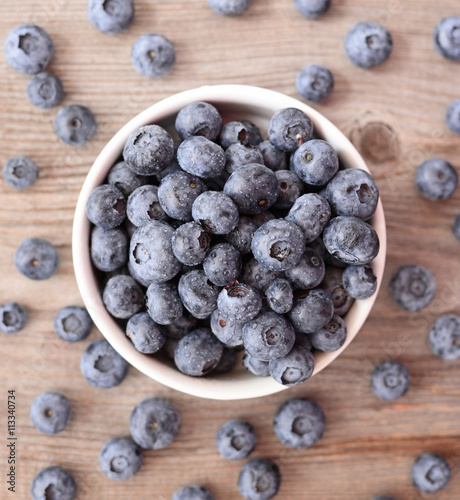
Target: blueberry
{"type": "Point", "coordinates": [151, 257]}
{"type": "Point", "coordinates": [311, 212]}
{"type": "Point", "coordinates": [413, 287]}
{"type": "Point", "coordinates": [183, 325]}
{"type": "Point", "coordinates": [430, 473]}
{"type": "Point", "coordinates": [199, 118]}
{"type": "Point", "coordinates": [256, 366]}
{"type": "Point", "coordinates": [163, 303]}
{"type": "Point", "coordinates": [308, 272]}
{"type": "Point", "coordinates": [312, 310]}
{"type": "Point", "coordinates": [273, 158]}
{"type": "Point", "coordinates": [290, 188]}
{"type": "Point", "coordinates": [216, 212]}
{"type": "Point", "coordinates": [20, 172]}
{"type": "Point", "coordinates": [53, 482]}
{"type": "Point", "coordinates": [269, 336]}
{"type": "Point", "coordinates": [280, 296]}
{"type": "Point", "coordinates": [316, 162]}
{"type": "Point", "coordinates": [236, 439]}
{"type": "Point", "coordinates": [122, 296]}
{"type": "Point", "coordinates": [109, 248]}
{"type": "Point", "coordinates": [120, 458]}
{"type": "Point", "coordinates": [177, 192]}
{"type": "Point", "coordinates": [50, 412]}
{"type": "Point", "coordinates": [73, 323]}
{"type": "Point", "coordinates": [198, 294]}
{"type": "Point", "coordinates": [333, 284]}
{"type": "Point", "coordinates": [146, 336]}
{"type": "Point", "coordinates": [447, 39]}
{"type": "Point", "coordinates": [253, 188]}
{"type": "Point", "coordinates": [294, 368]}
{"type": "Point", "coordinates": [312, 8]}
{"type": "Point", "coordinates": [193, 492]}
{"type": "Point", "coordinates": [102, 366]}
{"type": "Point", "coordinates": [241, 236]}
{"type": "Point", "coordinates": [148, 150]}
{"type": "Point", "coordinates": [28, 49]}
{"type": "Point", "coordinates": [106, 207]}
{"type": "Point", "coordinates": [453, 116]}
{"type": "Point", "coordinates": [198, 353]}
{"type": "Point", "coordinates": [123, 178]}
{"type": "Point", "coordinates": [36, 259]}
{"type": "Point", "coordinates": [153, 55]}
{"type": "Point", "coordinates": [359, 282]}
{"type": "Point", "coordinates": [190, 243]}
{"type": "Point", "coordinates": [227, 361]}
{"type": "Point", "coordinates": [303, 341]}
{"type": "Point", "coordinates": [229, 7]}
{"type": "Point", "coordinates": [223, 264]}
{"type": "Point", "coordinates": [444, 337]}
{"type": "Point", "coordinates": [45, 90]}
{"type": "Point", "coordinates": [242, 131]}
{"type": "Point", "coordinates": [368, 44]}
{"type": "Point", "coordinates": [436, 179]}
{"type": "Point", "coordinates": [154, 423]}
{"type": "Point", "coordinates": [258, 276]}
{"type": "Point", "coordinates": [262, 218]}
{"type": "Point", "coordinates": [239, 302]}
{"type": "Point", "coordinates": [353, 192]}
{"type": "Point", "coordinates": [331, 336]}
{"type": "Point", "coordinates": [390, 380]}
{"type": "Point", "coordinates": [13, 317]}
{"type": "Point", "coordinates": [299, 423]}
{"type": "Point", "coordinates": [173, 165]}
{"type": "Point", "coordinates": [111, 16]}
{"type": "Point", "coordinates": [75, 125]}
{"type": "Point", "coordinates": [169, 347]}
{"type": "Point", "coordinates": [289, 128]}
{"type": "Point", "coordinates": [351, 240]}
{"type": "Point", "coordinates": [238, 154]}
{"type": "Point", "coordinates": [278, 244]}
{"type": "Point", "coordinates": [259, 479]}
{"type": "Point", "coordinates": [201, 157]}
{"type": "Point", "coordinates": [314, 82]}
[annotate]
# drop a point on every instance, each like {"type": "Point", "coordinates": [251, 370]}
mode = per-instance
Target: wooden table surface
{"type": "Point", "coordinates": [394, 115]}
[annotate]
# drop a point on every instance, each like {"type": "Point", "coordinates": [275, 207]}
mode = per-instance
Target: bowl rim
{"type": "Point", "coordinates": [241, 385]}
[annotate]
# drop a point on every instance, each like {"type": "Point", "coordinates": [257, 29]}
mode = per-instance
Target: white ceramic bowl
{"type": "Point", "coordinates": [234, 102]}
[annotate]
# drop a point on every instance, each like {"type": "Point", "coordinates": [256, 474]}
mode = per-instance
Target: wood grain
{"type": "Point", "coordinates": [394, 114]}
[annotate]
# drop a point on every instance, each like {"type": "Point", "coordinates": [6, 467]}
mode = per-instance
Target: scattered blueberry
{"type": "Point", "coordinates": [312, 310]}
{"type": "Point", "coordinates": [239, 302]}
{"type": "Point", "coordinates": [314, 82]}
{"type": "Point", "coordinates": [163, 303]}
{"type": "Point", "coordinates": [412, 287]}
{"type": "Point", "coordinates": [368, 44]}
{"type": "Point", "coordinates": [111, 16]}
{"type": "Point", "coordinates": [153, 55]}
{"type": "Point", "coordinates": [199, 118]}
{"type": "Point", "coordinates": [123, 178]}
{"type": "Point", "coordinates": [236, 439]}
{"type": "Point", "coordinates": [241, 236]}
{"type": "Point", "coordinates": [308, 272]}
{"type": "Point", "coordinates": [75, 125]}
{"type": "Point", "coordinates": [294, 368]}
{"type": "Point", "coordinates": [456, 227]}
{"type": "Point", "coordinates": [13, 317]}
{"type": "Point", "coordinates": [331, 336]}
{"type": "Point", "coordinates": [444, 337]}
{"type": "Point", "coordinates": [20, 172]}
{"type": "Point", "coordinates": [201, 157]}
{"type": "Point", "coordinates": [120, 458]}
{"type": "Point", "coordinates": [122, 296]}
{"type": "Point", "coordinates": [436, 179]}
{"type": "Point", "coordinates": [146, 336]}
{"type": "Point", "coordinates": [45, 90]}
{"type": "Point", "coordinates": [390, 380]}
{"type": "Point", "coordinates": [53, 482]}
{"type": "Point", "coordinates": [73, 323]}
{"type": "Point", "coordinates": [430, 472]}
{"type": "Point", "coordinates": [216, 212]}
{"type": "Point", "coordinates": [453, 116]}
{"type": "Point", "coordinates": [256, 366]}
{"type": "Point", "coordinates": [273, 158]}
{"type": "Point", "coordinates": [229, 7]}
{"type": "Point", "coordinates": [316, 162]}
{"type": "Point", "coordinates": [289, 128]}
{"type": "Point", "coordinates": [109, 248]}
{"type": "Point", "coordinates": [198, 294]}
{"type": "Point", "coordinates": [359, 282]}
{"type": "Point", "coordinates": [447, 39]}
{"type": "Point", "coordinates": [36, 259]}
{"type": "Point", "coordinates": [193, 492]}
{"type": "Point", "coordinates": [223, 264]}
{"type": "Point", "coordinates": [280, 296]}
{"type": "Point", "coordinates": [190, 243]}
{"type": "Point", "coordinates": [259, 479]}
{"type": "Point", "coordinates": [312, 8]}
{"type": "Point", "coordinates": [50, 412]}
{"type": "Point", "coordinates": [311, 212]}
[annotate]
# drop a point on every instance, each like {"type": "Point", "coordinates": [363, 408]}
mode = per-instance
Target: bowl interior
{"type": "Point", "coordinates": [234, 102]}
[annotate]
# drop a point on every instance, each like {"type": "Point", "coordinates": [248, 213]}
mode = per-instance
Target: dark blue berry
{"type": "Point", "coordinates": [430, 473]}
{"type": "Point", "coordinates": [413, 287]}
{"type": "Point", "coordinates": [36, 259]}
{"type": "Point", "coordinates": [120, 458]}
{"type": "Point", "coordinates": [53, 482]}
{"type": "Point", "coordinates": [333, 284]}
{"type": "Point", "coordinates": [299, 423]}
{"type": "Point", "coordinates": [45, 90]}
{"type": "Point", "coordinates": [146, 336]}
{"type": "Point", "coordinates": [316, 162]}
{"type": "Point", "coordinates": [303, 341]}
{"type": "Point", "coordinates": [436, 179]}
{"type": "Point", "coordinates": [259, 479]}
{"type": "Point", "coordinates": [198, 353]}
{"type": "Point", "coordinates": [314, 82]}
{"type": "Point", "coordinates": [390, 380]}
{"type": "Point", "coordinates": [216, 212]}
{"type": "Point", "coordinates": [256, 366]}
{"type": "Point", "coordinates": [289, 128]}
{"type": "Point", "coordinates": [183, 325]}
{"type": "Point", "coordinates": [20, 172]}
{"type": "Point", "coordinates": [102, 366]}
{"type": "Point", "coordinates": [239, 302]}
{"type": "Point", "coordinates": [111, 16]}
{"type": "Point", "coordinates": [262, 218]}
{"type": "Point", "coordinates": [229, 7]}
{"type": "Point", "coordinates": [73, 323]}
{"type": "Point", "coordinates": [28, 49]}
{"type": "Point", "coordinates": [331, 336]}
{"type": "Point", "coordinates": [308, 272]}
{"type": "Point", "coordinates": [273, 158]}
{"type": "Point", "coordinates": [444, 337]}
{"type": "Point", "coordinates": [453, 116]}
{"type": "Point", "coordinates": [199, 118]}
{"type": "Point", "coordinates": [106, 207]}
{"type": "Point", "coordinates": [75, 125]}
{"type": "Point", "coordinates": [312, 310]}
{"type": "Point", "coordinates": [143, 206]}
{"type": "Point", "coordinates": [236, 439]}
{"type": "Point", "coordinates": [154, 423]}
{"type": "Point", "coordinates": [242, 131]}
{"type": "Point", "coordinates": [153, 55]}
{"type": "Point", "coordinates": [190, 243]}
{"type": "Point", "coordinates": [294, 368]}
{"type": "Point", "coordinates": [311, 212]}
{"type": "Point", "coordinates": [109, 248]}
{"type": "Point", "coordinates": [50, 412]}
{"type": "Point", "coordinates": [312, 8]}
{"type": "Point", "coordinates": [198, 294]}
{"type": "Point", "coordinates": [163, 303]}
{"type": "Point", "coordinates": [359, 282]}
{"type": "Point", "coordinates": [238, 154]}
{"type": "Point", "coordinates": [122, 296]}
{"type": "Point", "coordinates": [368, 44]}
{"type": "Point", "coordinates": [148, 150]}
{"type": "Point", "coordinates": [280, 296]}
{"type": "Point", "coordinates": [201, 157]}
{"type": "Point", "coordinates": [257, 275]}
{"type": "Point", "coordinates": [290, 188]}
{"type": "Point", "coordinates": [223, 264]}
{"type": "Point", "coordinates": [193, 492]}
{"type": "Point", "coordinates": [227, 361]}
{"type": "Point", "coordinates": [151, 257]}
{"type": "Point", "coordinates": [447, 39]}
{"type": "Point", "coordinates": [13, 317]}
{"type": "Point", "coordinates": [241, 236]}
{"type": "Point", "coordinates": [123, 178]}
